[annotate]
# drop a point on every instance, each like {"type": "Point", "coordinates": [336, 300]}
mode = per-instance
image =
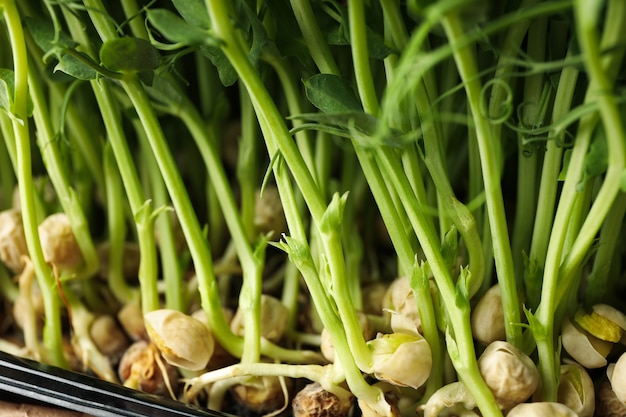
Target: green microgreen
{"type": "Point", "coordinates": [308, 151]}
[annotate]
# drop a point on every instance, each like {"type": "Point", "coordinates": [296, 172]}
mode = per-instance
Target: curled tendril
{"type": "Point", "coordinates": [506, 105]}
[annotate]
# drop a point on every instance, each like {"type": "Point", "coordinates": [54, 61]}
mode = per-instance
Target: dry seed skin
{"type": "Point", "coordinates": [58, 242]}
{"type": "Point", "coordinates": [400, 301]}
{"type": "Point", "coordinates": [510, 374]}
{"type": "Point", "coordinates": [12, 240]}
{"type": "Point", "coordinates": [139, 369]}
{"type": "Point", "coordinates": [487, 318]}
{"type": "Point", "coordinates": [183, 340]}
{"type": "Point", "coordinates": [449, 400]}
{"type": "Point", "coordinates": [580, 347]}
{"type": "Point", "coordinates": [618, 378]}
{"type": "Point", "coordinates": [262, 394]}
{"type": "Point", "coordinates": [274, 316]}
{"type": "Point", "coordinates": [130, 317]}
{"type": "Point", "coordinates": [576, 390]}
{"type": "Point", "coordinates": [108, 337]}
{"type": "Point", "coordinates": [541, 409]}
{"type": "Point", "coordinates": [401, 359]}
{"type": "Point", "coordinates": [315, 401]}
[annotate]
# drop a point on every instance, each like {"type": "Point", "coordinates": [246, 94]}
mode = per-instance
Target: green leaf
{"type": "Point", "coordinates": [194, 12]}
{"type": "Point", "coordinates": [462, 290]}
{"type": "Point", "coordinates": [533, 273]}
{"type": "Point", "coordinates": [567, 155]}
{"type": "Point", "coordinates": [331, 94]}
{"type": "Point", "coordinates": [129, 55]}
{"type": "Point", "coordinates": [539, 331]}
{"type": "Point", "coordinates": [225, 70]}
{"type": "Point", "coordinates": [288, 37]}
{"type": "Point", "coordinates": [7, 89]}
{"type": "Point", "coordinates": [72, 66]}
{"type": "Point", "coordinates": [333, 216]}
{"type": "Point", "coordinates": [597, 159]}
{"type": "Point", "coordinates": [165, 91]}
{"type": "Point", "coordinates": [46, 36]}
{"type": "Point", "coordinates": [453, 349]}
{"type": "Point", "coordinates": [175, 29]}
{"type": "Point", "coordinates": [450, 246]}
{"type": "Point", "coordinates": [256, 30]}
{"type": "Point", "coordinates": [7, 92]}
{"type": "Point", "coordinates": [357, 125]}
{"type": "Point", "coordinates": [376, 46]}
{"type": "Point", "coordinates": [250, 25]}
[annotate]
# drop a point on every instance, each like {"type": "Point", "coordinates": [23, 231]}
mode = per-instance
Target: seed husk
{"type": "Point", "coordinates": [315, 401]}
{"type": "Point", "coordinates": [541, 409]}
{"type": "Point", "coordinates": [450, 400]}
{"type": "Point", "coordinates": [139, 369]}
{"type": "Point", "coordinates": [262, 394]}
{"type": "Point", "coordinates": [583, 347]}
{"type": "Point", "coordinates": [510, 374]}
{"type": "Point", "coordinates": [274, 316]}
{"type": "Point", "coordinates": [182, 340]}
{"type": "Point", "coordinates": [487, 317]}
{"type": "Point", "coordinates": [401, 359]}
{"type": "Point", "coordinates": [576, 390]}
{"type": "Point", "coordinates": [130, 317]}
{"type": "Point", "coordinates": [58, 242]}
{"type": "Point", "coordinates": [109, 337]}
{"type": "Point", "coordinates": [401, 304]}
{"type": "Point", "coordinates": [617, 376]}
{"type": "Point", "coordinates": [12, 240]}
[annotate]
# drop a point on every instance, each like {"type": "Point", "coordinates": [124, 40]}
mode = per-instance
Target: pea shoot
{"type": "Point", "coordinates": [307, 205]}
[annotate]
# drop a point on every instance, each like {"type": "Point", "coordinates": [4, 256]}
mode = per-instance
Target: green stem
{"type": "Point", "coordinates": [528, 164]}
{"type": "Point", "coordinates": [110, 113]}
{"type": "Point", "coordinates": [549, 180]}
{"type": "Point", "coordinates": [251, 262]}
{"type": "Point", "coordinates": [7, 287]}
{"type": "Point", "coordinates": [175, 297]}
{"type": "Point", "coordinates": [300, 254]}
{"type": "Point", "coordinates": [7, 165]}
{"type": "Point", "coordinates": [420, 283]}
{"type": "Point", "coordinates": [608, 248]}
{"type": "Point", "coordinates": [57, 172]}
{"type": "Point", "coordinates": [313, 37]}
{"type": "Point", "coordinates": [559, 273]}
{"type": "Point", "coordinates": [600, 88]}
{"type": "Point", "coordinates": [247, 172]}
{"type": "Point", "coordinates": [451, 206]}
{"type": "Point", "coordinates": [169, 250]}
{"type": "Point", "coordinates": [458, 313]}
{"type": "Point", "coordinates": [116, 225]}
{"type": "Point", "coordinates": [52, 329]}
{"type": "Point", "coordinates": [601, 85]}
{"type": "Point", "coordinates": [198, 246]}
{"type": "Point", "coordinates": [547, 307]}
{"type": "Point", "coordinates": [277, 138]}
{"type": "Point", "coordinates": [466, 64]}
{"type": "Point", "coordinates": [360, 57]}
{"type": "Point", "coordinates": [293, 95]}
